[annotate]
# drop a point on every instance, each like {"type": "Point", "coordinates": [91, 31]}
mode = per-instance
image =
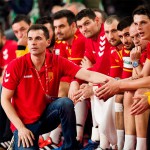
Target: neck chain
{"type": "Point", "coordinates": [45, 90]}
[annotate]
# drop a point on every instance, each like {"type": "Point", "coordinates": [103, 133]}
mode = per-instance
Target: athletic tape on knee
{"type": "Point", "coordinates": [118, 107]}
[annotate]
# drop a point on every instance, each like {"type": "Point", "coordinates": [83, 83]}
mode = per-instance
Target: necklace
{"type": "Point", "coordinates": [45, 90]}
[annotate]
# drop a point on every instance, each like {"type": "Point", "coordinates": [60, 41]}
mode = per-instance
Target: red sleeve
{"type": "Point", "coordinates": [11, 76]}
{"type": "Point", "coordinates": [68, 68]}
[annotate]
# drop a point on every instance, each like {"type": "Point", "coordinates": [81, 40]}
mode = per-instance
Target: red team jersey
{"type": "Point", "coordinates": [21, 76]}
{"type": "Point", "coordinates": [98, 52]}
{"type": "Point", "coordinates": [74, 52]}
{"type": "Point", "coordinates": [116, 63]}
{"type": "Point", "coordinates": [8, 53]}
{"type": "Point", "coordinates": [148, 51]}
{"type": "Point", "coordinates": [121, 65]}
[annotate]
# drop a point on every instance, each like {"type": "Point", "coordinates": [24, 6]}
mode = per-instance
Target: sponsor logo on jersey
{"type": "Point", "coordinates": [28, 76]}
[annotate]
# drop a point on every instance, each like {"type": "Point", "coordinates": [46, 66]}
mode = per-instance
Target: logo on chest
{"type": "Point", "coordinates": [50, 76]}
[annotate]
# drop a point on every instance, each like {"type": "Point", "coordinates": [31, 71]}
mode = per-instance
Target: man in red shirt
{"type": "Point", "coordinates": [66, 30]}
{"type": "Point", "coordinates": [34, 111]}
{"type": "Point", "coordinates": [142, 24]}
{"type": "Point", "coordinates": [96, 57]}
{"type": "Point", "coordinates": [116, 71]}
{"type": "Point", "coordinates": [20, 25]}
{"type": "Point", "coordinates": [7, 53]}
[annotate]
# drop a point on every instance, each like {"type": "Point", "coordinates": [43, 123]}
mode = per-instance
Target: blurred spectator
{"type": "Point", "coordinates": [121, 8]}
{"type": "Point", "coordinates": [88, 3]}
{"type": "Point", "coordinates": [4, 14]}
{"type": "Point", "coordinates": [46, 6]}
{"type": "Point", "coordinates": [56, 8]}
{"type": "Point", "coordinates": [21, 6]}
{"type": "Point", "coordinates": [18, 7]}
{"type": "Point", "coordinates": [75, 7]}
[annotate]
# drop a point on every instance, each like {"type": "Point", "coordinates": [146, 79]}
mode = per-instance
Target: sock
{"type": "Point", "coordinates": [129, 142]}
{"type": "Point", "coordinates": [120, 139]}
{"type": "Point", "coordinates": [45, 136]}
{"type": "Point", "coordinates": [95, 134]}
{"type": "Point", "coordinates": [81, 111]}
{"type": "Point", "coordinates": [141, 144]}
{"type": "Point", "coordinates": [55, 135]}
{"type": "Point", "coordinates": [104, 143]}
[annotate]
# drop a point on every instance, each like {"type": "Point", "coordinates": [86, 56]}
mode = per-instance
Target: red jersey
{"type": "Point", "coordinates": [116, 63]}
{"type": "Point", "coordinates": [73, 52]}
{"type": "Point", "coordinates": [127, 64]}
{"type": "Point", "coordinates": [121, 65]}
{"type": "Point", "coordinates": [98, 52]}
{"type": "Point", "coordinates": [29, 99]}
{"type": "Point", "coordinates": [148, 50]}
{"type": "Point", "coordinates": [8, 52]}
{"type": "Point", "coordinates": [60, 48]}
{"type": "Point", "coordinates": [143, 57]}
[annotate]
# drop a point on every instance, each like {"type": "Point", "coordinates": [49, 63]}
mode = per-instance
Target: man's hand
{"type": "Point", "coordinates": [135, 54]}
{"type": "Point", "coordinates": [25, 137]}
{"type": "Point", "coordinates": [140, 105]}
{"type": "Point", "coordinates": [110, 88]}
{"type": "Point", "coordinates": [86, 63]}
{"type": "Point", "coordinates": [85, 91]}
{"type": "Point", "coordinates": [74, 87]}
{"type": "Point", "coordinates": [23, 41]}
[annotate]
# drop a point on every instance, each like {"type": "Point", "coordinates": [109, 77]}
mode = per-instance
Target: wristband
{"type": "Point", "coordinates": [135, 63]}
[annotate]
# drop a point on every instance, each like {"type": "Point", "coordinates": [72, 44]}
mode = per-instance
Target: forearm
{"type": "Point", "coordinates": [91, 76]}
{"type": "Point", "coordinates": [134, 84]}
{"type": "Point", "coordinates": [98, 78]}
{"type": "Point", "coordinates": [11, 113]}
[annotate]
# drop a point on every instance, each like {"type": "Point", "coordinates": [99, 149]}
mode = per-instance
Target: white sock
{"type": "Point", "coordinates": [120, 139]}
{"type": "Point", "coordinates": [95, 134]}
{"type": "Point", "coordinates": [79, 132]}
{"type": "Point", "coordinates": [129, 142]}
{"type": "Point", "coordinates": [55, 135]}
{"type": "Point", "coordinates": [81, 111]}
{"type": "Point", "coordinates": [104, 143]}
{"type": "Point", "coordinates": [45, 136]}
{"type": "Point", "coordinates": [141, 144]}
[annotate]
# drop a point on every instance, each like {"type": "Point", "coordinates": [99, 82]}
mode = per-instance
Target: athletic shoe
{"type": "Point", "coordinates": [91, 145]}
{"type": "Point", "coordinates": [5, 144]}
{"type": "Point", "coordinates": [48, 144]}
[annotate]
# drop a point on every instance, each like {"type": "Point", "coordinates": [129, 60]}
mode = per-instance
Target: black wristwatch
{"type": "Point", "coordinates": [135, 63]}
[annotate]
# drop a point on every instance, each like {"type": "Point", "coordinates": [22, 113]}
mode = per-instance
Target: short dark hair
{"type": "Point", "coordinates": [39, 27]}
{"type": "Point", "coordinates": [65, 13]}
{"type": "Point", "coordinates": [111, 18]}
{"type": "Point", "coordinates": [142, 10]}
{"type": "Point", "coordinates": [44, 20]}
{"type": "Point", "coordinates": [103, 13]}
{"type": "Point", "coordinates": [124, 23]}
{"type": "Point", "coordinates": [22, 17]}
{"type": "Point", "coordinates": [88, 12]}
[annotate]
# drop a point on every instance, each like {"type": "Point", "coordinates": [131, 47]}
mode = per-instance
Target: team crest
{"type": "Point", "coordinates": [50, 76]}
